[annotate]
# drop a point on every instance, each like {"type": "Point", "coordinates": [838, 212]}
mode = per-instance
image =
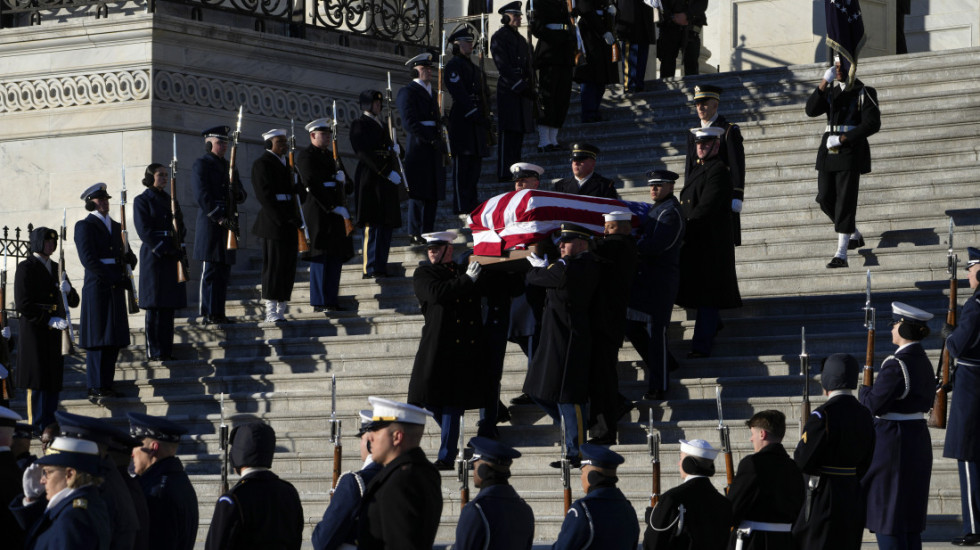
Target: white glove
{"type": "Point", "coordinates": [342, 211]}
{"type": "Point", "coordinates": [5, 333]}
{"type": "Point", "coordinates": [736, 205]}
{"type": "Point", "coordinates": [535, 261]}
{"type": "Point", "coordinates": [396, 149]}
{"type": "Point", "coordinates": [611, 10]}
{"type": "Point", "coordinates": [833, 141]}
{"type": "Point", "coordinates": [830, 75]}
{"type": "Point", "coordinates": [33, 489]}
{"type": "Point", "coordinates": [473, 271]}
{"type": "Point", "coordinates": [395, 178]}
{"type": "Point", "coordinates": [609, 38]}
{"type": "Point", "coordinates": [339, 177]}
{"type": "Point", "coordinates": [65, 286]}
{"type": "Point", "coordinates": [57, 323]}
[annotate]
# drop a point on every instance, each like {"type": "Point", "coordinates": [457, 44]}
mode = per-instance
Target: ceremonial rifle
{"type": "Point", "coordinates": [937, 416]}
{"type": "Point", "coordinates": [393, 136]}
{"type": "Point", "coordinates": [68, 335]}
{"type": "Point", "coordinates": [303, 232]}
{"type": "Point", "coordinates": [338, 450]}
{"type": "Point", "coordinates": [869, 323]}
{"type": "Point", "coordinates": [223, 435]}
{"type": "Point", "coordinates": [132, 299]}
{"type": "Point", "coordinates": [440, 122]}
{"type": "Point", "coordinates": [491, 129]}
{"type": "Point", "coordinates": [653, 441]}
{"type": "Point", "coordinates": [805, 371]}
{"type": "Point", "coordinates": [462, 467]}
{"type": "Point", "coordinates": [232, 208]}
{"type": "Point", "coordinates": [566, 469]}
{"type": "Point", "coordinates": [339, 162]}
{"type": "Point", "coordinates": [183, 269]}
{"type": "Point", "coordinates": [726, 443]}
{"type": "Point", "coordinates": [5, 391]}
{"type": "Point", "coordinates": [580, 51]}
{"type": "Point", "coordinates": [535, 108]}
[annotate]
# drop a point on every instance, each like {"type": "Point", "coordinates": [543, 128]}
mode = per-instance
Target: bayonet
{"type": "Point", "coordinates": [869, 324]}
{"type": "Point", "coordinates": [133, 298]}
{"type": "Point", "coordinates": [726, 445]}
{"type": "Point", "coordinates": [462, 467]}
{"type": "Point", "coordinates": [335, 428]}
{"type": "Point", "coordinates": [653, 443]}
{"type": "Point", "coordinates": [223, 441]}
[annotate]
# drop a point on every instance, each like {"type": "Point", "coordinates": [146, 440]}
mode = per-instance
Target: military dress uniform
{"type": "Point", "coordinates": [468, 125]}
{"type": "Point", "coordinates": [767, 495]}
{"type": "Point", "coordinates": [260, 511]}
{"type": "Point", "coordinates": [515, 95]}
{"type": "Point", "coordinates": [160, 293]}
{"type": "Point", "coordinates": [635, 27]}
{"type": "Point", "coordinates": [594, 185]}
{"type": "Point", "coordinates": [704, 523]}
{"type": "Point", "coordinates": [674, 38]}
{"type": "Point", "coordinates": [595, 25]}
{"type": "Point", "coordinates": [554, 58]}
{"type": "Point", "coordinates": [603, 515]}
{"type": "Point", "coordinates": [339, 523]}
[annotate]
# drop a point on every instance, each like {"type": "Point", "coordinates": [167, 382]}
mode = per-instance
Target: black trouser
{"type": "Point", "coordinates": [278, 268]}
{"type": "Point", "coordinates": [604, 398]}
{"type": "Point", "coordinates": [669, 44]}
{"type": "Point", "coordinates": [160, 332]}
{"type": "Point", "coordinates": [466, 173]}
{"type": "Point", "coordinates": [837, 195]}
{"type": "Point", "coordinates": [554, 93]}
{"type": "Point", "coordinates": [508, 152]}
{"type": "Point", "coordinates": [650, 341]}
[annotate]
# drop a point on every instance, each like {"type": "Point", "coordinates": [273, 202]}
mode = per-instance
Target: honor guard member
{"type": "Point", "coordinates": [635, 28]}
{"type": "Point", "coordinates": [693, 515]}
{"type": "Point", "coordinates": [897, 483]}
{"type": "Point", "coordinates": [160, 292]}
{"type": "Point", "coordinates": [651, 305]}
{"type": "Point", "coordinates": [120, 452]}
{"type": "Point", "coordinates": [497, 518]}
{"type": "Point", "coordinates": [844, 154]}
{"type": "Point", "coordinates": [10, 479]}
{"type": "Point", "coordinates": [60, 508]}
{"type": "Point", "coordinates": [210, 182]}
{"type": "Point", "coordinates": [376, 184]}
{"type": "Point", "coordinates": [603, 515]}
{"type": "Point", "coordinates": [585, 180]}
{"type": "Point", "coordinates": [104, 321]}
{"type": "Point", "coordinates": [515, 94]}
{"type": "Point", "coordinates": [768, 489]}
{"type": "Point", "coordinates": [450, 303]}
{"type": "Point", "coordinates": [424, 170]}
{"type": "Point", "coordinates": [596, 22]}
{"type": "Point", "coordinates": [338, 528]}
{"type": "Point", "coordinates": [170, 497]}
{"type": "Point", "coordinates": [402, 504]}
{"type": "Point", "coordinates": [276, 223]}
{"type": "Point", "coordinates": [467, 120]}
{"type": "Point", "coordinates": [707, 262]}
{"type": "Point", "coordinates": [261, 510]}
{"type": "Point", "coordinates": [326, 216]}
{"type": "Point", "coordinates": [123, 519]}
{"type": "Point", "coordinates": [37, 297]}
{"type": "Point", "coordinates": [554, 58]}
{"type": "Point", "coordinates": [731, 152]}
{"type": "Point", "coordinates": [962, 439]}
{"type": "Point", "coordinates": [558, 375]}
{"type": "Point", "coordinates": [680, 29]}
{"type": "Point", "coordinates": [835, 451]}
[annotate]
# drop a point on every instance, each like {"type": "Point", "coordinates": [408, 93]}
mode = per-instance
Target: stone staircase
{"type": "Point", "coordinates": [925, 158]}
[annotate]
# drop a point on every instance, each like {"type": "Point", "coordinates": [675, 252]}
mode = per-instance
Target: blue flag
{"type": "Point", "coordinates": [845, 33]}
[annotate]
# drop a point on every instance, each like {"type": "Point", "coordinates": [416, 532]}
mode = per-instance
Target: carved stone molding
{"type": "Point", "coordinates": [70, 91]}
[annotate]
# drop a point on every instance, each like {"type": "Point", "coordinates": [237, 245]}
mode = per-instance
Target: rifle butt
{"type": "Point", "coordinates": [302, 244]}
{"type": "Point", "coordinates": [181, 271]}
{"type": "Point", "coordinates": [869, 359]}
{"type": "Point", "coordinates": [729, 471]}
{"type": "Point", "coordinates": [616, 54]}
{"type": "Point", "coordinates": [66, 344]}
{"type": "Point", "coordinates": [232, 243]}
{"type": "Point", "coordinates": [568, 499]}
{"type": "Point", "coordinates": [134, 306]}
{"type": "Point", "coordinates": [337, 460]}
{"type": "Point", "coordinates": [464, 497]}
{"type": "Point", "coordinates": [655, 489]}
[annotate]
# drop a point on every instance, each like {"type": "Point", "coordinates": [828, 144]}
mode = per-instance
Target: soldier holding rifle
{"type": "Point", "coordinates": [515, 94]}
{"type": "Point", "coordinates": [603, 514]}
{"type": "Point", "coordinates": [104, 321]}
{"type": "Point", "coordinates": [40, 364]}
{"type": "Point", "coordinates": [161, 291]}
{"type": "Point", "coordinates": [468, 120]}
{"type": "Point", "coordinates": [554, 58]}
{"type": "Point", "coordinates": [210, 179]}
{"type": "Point", "coordinates": [596, 24]}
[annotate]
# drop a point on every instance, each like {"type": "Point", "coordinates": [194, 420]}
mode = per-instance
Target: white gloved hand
{"type": "Point", "coordinates": [609, 38]}
{"type": "Point", "coordinates": [339, 177]}
{"type": "Point", "coordinates": [5, 332]}
{"type": "Point", "coordinates": [395, 178]}
{"type": "Point", "coordinates": [736, 205]}
{"type": "Point", "coordinates": [830, 75]}
{"type": "Point", "coordinates": [611, 10]}
{"type": "Point", "coordinates": [57, 323]}
{"type": "Point", "coordinates": [33, 489]}
{"type": "Point", "coordinates": [535, 261]}
{"type": "Point", "coordinates": [833, 141]}
{"type": "Point", "coordinates": [397, 149]}
{"type": "Point", "coordinates": [65, 286]}
{"type": "Point", "coordinates": [342, 211]}
{"type": "Point", "coordinates": [473, 271]}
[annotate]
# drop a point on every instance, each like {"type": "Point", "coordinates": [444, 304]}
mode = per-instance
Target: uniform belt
{"type": "Point", "coordinates": [599, 12]}
{"type": "Point", "coordinates": [108, 261]}
{"type": "Point", "coordinates": [556, 27]}
{"type": "Point", "coordinates": [839, 129]}
{"type": "Point", "coordinates": [901, 416]}
{"type": "Point", "coordinates": [160, 233]}
{"type": "Point", "coordinates": [766, 526]}
{"type": "Point", "coordinates": [283, 197]}
{"type": "Point", "coordinates": [838, 471]}
{"type": "Point", "coordinates": [428, 123]}
{"type": "Point", "coordinates": [967, 362]}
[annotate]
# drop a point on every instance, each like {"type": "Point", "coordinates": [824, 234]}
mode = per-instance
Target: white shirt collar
{"type": "Point", "coordinates": [43, 260]}
{"type": "Point", "coordinates": [367, 462]}
{"type": "Point", "coordinates": [709, 122]}
{"type": "Point", "coordinates": [426, 85]}
{"type": "Point", "coordinates": [252, 470]}
{"type": "Point", "coordinates": [690, 477]}
{"type": "Point", "coordinates": [581, 182]}
{"type": "Point", "coordinates": [105, 220]}
{"type": "Point", "coordinates": [282, 159]}
{"type": "Point", "coordinates": [835, 393]}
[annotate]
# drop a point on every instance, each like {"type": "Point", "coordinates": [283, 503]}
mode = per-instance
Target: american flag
{"type": "Point", "coordinates": [516, 219]}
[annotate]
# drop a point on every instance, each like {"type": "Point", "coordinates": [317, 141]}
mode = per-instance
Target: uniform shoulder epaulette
{"type": "Point", "coordinates": [80, 503]}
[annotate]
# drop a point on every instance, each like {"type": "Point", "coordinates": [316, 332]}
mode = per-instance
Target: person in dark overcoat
{"type": "Point", "coordinates": [497, 288]}
{"type": "Point", "coordinates": [585, 180]}
{"type": "Point", "coordinates": [603, 514]}
{"type": "Point", "coordinates": [558, 376]}
{"type": "Point", "coordinates": [170, 496]}
{"type": "Point", "coordinates": [656, 282]}
{"type": "Point", "coordinates": [554, 58]}
{"type": "Point", "coordinates": [731, 152]}
{"type": "Point", "coordinates": [104, 320]}
{"type": "Point", "coordinates": [515, 94]}
{"type": "Point", "coordinates": [424, 168]}
{"type": "Point", "coordinates": [403, 503]}
{"type": "Point", "coordinates": [707, 262]}
{"type": "Point", "coordinates": [596, 24]}
{"type": "Point", "coordinates": [261, 510]}
{"type": "Point", "coordinates": [497, 518]}
{"type": "Point", "coordinates": [693, 515]}
{"type": "Point", "coordinates": [160, 292]}
{"type": "Point", "coordinates": [210, 182]}
{"type": "Point", "coordinates": [680, 29]}
{"type": "Point", "coordinates": [326, 214]}
{"type": "Point", "coordinates": [962, 439]}
{"type": "Point", "coordinates": [896, 486]}
{"type": "Point", "coordinates": [852, 117]}
{"type": "Point", "coordinates": [120, 452]}
{"type": "Point", "coordinates": [450, 302]}
{"type": "Point", "coordinates": [38, 300]}
{"type": "Point", "coordinates": [467, 120]}
{"type": "Point", "coordinates": [768, 490]}
{"type": "Point", "coordinates": [376, 183]}
{"type": "Point", "coordinates": [635, 28]}
{"type": "Point", "coordinates": [836, 449]}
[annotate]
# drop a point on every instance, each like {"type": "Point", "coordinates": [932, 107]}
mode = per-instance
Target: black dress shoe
{"type": "Point", "coordinates": [503, 414]}
{"type": "Point", "coordinates": [574, 462]}
{"type": "Point", "coordinates": [606, 440]}
{"type": "Point", "coordinates": [444, 466]}
{"type": "Point", "coordinates": [319, 309]}
{"type": "Point", "coordinates": [153, 358]}
{"type": "Point", "coordinates": [94, 397]}
{"type": "Point", "coordinates": [654, 396]}
{"type": "Point", "coordinates": [836, 262]}
{"type": "Point", "coordinates": [967, 540]}
{"type": "Point", "coordinates": [522, 399]}
{"type": "Point", "coordinates": [855, 243]}
{"type": "Point", "coordinates": [335, 307]}
{"type": "Point", "coordinates": [368, 276]}
{"type": "Point", "coordinates": [623, 410]}
{"type": "Point", "coordinates": [107, 392]}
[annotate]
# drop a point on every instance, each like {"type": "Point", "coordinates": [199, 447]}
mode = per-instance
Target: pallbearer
{"type": "Point", "coordinates": [603, 514]}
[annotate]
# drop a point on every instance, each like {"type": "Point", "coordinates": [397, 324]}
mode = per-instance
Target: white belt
{"type": "Point", "coordinates": [902, 416]}
{"type": "Point", "coordinates": [283, 197]}
{"type": "Point", "coordinates": [428, 123]}
{"type": "Point", "coordinates": [765, 526]}
{"type": "Point", "coordinates": [109, 261]}
{"type": "Point", "coordinates": [555, 27]}
{"type": "Point", "coordinates": [842, 128]}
